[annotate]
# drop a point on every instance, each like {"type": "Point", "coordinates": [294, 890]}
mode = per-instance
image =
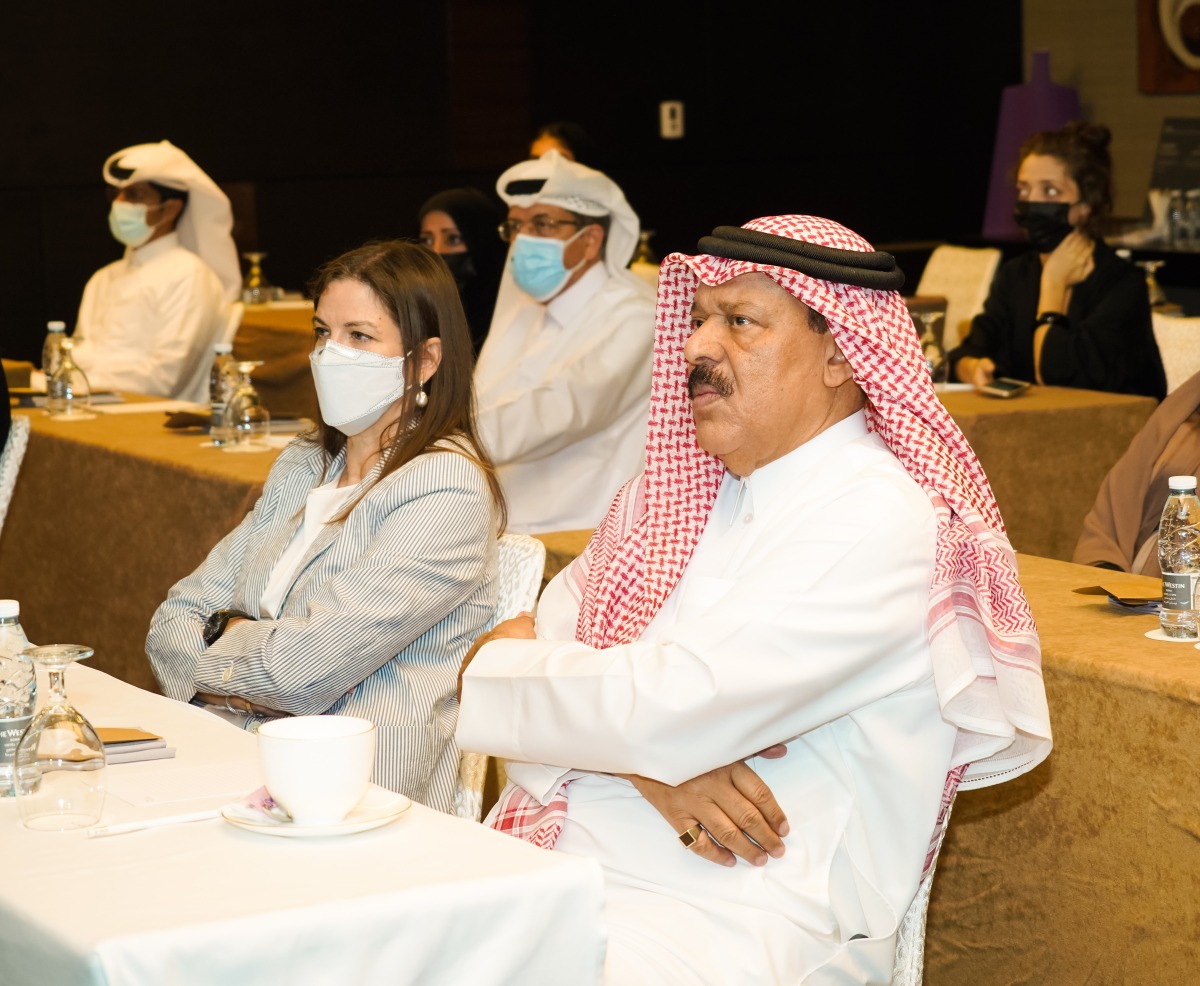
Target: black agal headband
{"type": "Point", "coordinates": [865, 270]}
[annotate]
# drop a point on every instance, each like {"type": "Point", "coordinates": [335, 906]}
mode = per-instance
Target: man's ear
{"type": "Point", "coordinates": [837, 367]}
{"type": "Point", "coordinates": [171, 211]}
{"type": "Point", "coordinates": [595, 242]}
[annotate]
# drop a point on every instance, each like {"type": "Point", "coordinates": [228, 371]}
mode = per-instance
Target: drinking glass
{"type": "Point", "coordinates": [643, 254]}
{"type": "Point", "coordinates": [247, 417]}
{"type": "Point", "coordinates": [256, 289]}
{"type": "Point", "coordinates": [68, 393]}
{"type": "Point", "coordinates": [1158, 297]}
{"type": "Point", "coordinates": [59, 764]}
{"type": "Point", "coordinates": [931, 346]}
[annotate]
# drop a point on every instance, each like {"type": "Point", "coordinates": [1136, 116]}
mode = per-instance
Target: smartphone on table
{"type": "Point", "coordinates": [1005, 387]}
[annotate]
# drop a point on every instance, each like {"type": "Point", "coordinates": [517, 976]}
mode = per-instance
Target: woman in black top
{"type": "Point", "coordinates": [1070, 313]}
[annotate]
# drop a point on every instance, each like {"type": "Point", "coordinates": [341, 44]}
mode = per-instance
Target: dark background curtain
{"type": "Point", "coordinates": [330, 124]}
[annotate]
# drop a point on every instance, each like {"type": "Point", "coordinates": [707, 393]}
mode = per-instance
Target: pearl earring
{"type": "Point", "coordinates": [422, 398]}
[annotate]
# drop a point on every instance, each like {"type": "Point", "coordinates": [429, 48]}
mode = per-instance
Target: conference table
{"type": "Point", "coordinates": [1086, 870]}
{"type": "Point", "coordinates": [1046, 452]}
{"type": "Point", "coordinates": [108, 514]}
{"type": "Point", "coordinates": [426, 898]}
{"type": "Point", "coordinates": [280, 335]}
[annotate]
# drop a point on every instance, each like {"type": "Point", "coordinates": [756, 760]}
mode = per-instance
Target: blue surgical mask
{"type": "Point", "coordinates": [537, 265]}
{"type": "Point", "coordinates": [127, 222]}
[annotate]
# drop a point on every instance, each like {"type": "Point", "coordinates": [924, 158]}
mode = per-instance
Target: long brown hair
{"type": "Point", "coordinates": [415, 287]}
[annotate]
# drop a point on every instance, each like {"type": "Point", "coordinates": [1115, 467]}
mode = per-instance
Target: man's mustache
{"type": "Point", "coordinates": [705, 375]}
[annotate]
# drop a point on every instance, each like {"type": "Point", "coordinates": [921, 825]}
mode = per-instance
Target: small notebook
{"type": "Point", "coordinates": [122, 755]}
{"type": "Point", "coordinates": [125, 745]}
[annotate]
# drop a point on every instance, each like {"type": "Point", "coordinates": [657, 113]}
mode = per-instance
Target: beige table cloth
{"type": "Point", "coordinates": [106, 516]}
{"type": "Point", "coordinates": [1087, 869]}
{"type": "Point", "coordinates": [1045, 453]}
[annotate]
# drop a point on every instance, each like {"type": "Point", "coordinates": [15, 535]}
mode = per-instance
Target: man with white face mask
{"type": "Point", "coordinates": [148, 321]}
{"type": "Point", "coordinates": [563, 380]}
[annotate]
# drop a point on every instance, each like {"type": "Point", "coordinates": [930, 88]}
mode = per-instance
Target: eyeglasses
{"type": "Point", "coordinates": [541, 226]}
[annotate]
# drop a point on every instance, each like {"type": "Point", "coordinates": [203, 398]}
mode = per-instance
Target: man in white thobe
{"type": "Point", "coordinates": [563, 380]}
{"type": "Point", "coordinates": [811, 558]}
{"type": "Point", "coordinates": [147, 322]}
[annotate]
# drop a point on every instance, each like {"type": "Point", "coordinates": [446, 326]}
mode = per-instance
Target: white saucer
{"type": "Point", "coordinates": [1157, 634]}
{"type": "Point", "coordinates": [379, 807]}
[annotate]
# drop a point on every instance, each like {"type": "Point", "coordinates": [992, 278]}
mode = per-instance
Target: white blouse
{"type": "Point", "coordinates": [323, 503]}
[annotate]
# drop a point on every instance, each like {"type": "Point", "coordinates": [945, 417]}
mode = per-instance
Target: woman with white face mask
{"type": "Point", "coordinates": [1069, 313]}
{"type": "Point", "coordinates": [368, 565]}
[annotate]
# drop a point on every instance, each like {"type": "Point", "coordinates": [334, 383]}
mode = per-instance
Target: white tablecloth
{"type": "Point", "coordinates": [426, 899]}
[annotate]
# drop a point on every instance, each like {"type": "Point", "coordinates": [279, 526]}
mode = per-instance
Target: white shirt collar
{"type": "Point", "coordinates": [776, 481]}
{"type": "Point", "coordinates": [152, 250]}
{"type": "Point", "coordinates": [566, 307]}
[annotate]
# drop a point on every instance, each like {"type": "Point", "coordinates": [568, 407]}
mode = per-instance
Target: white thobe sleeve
{"type": "Point", "coordinates": [830, 619]}
{"type": "Point", "coordinates": [605, 375]}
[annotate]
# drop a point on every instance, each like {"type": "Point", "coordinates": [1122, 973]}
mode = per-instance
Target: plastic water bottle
{"type": "Point", "coordinates": [220, 386]}
{"type": "Point", "coordinates": [18, 690]}
{"type": "Point", "coordinates": [56, 332]}
{"type": "Point", "coordinates": [1179, 558]}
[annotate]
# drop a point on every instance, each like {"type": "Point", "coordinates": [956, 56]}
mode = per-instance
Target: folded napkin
{"type": "Point", "coordinates": [258, 808]}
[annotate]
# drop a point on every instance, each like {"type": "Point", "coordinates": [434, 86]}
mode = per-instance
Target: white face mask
{"type": "Point", "coordinates": [127, 223]}
{"type": "Point", "coordinates": [355, 387]}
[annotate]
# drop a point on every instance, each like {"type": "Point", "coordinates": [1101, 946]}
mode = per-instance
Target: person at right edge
{"type": "Point", "coordinates": [1069, 313]}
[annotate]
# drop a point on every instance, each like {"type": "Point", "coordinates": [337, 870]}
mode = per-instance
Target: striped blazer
{"type": "Point", "coordinates": [375, 623]}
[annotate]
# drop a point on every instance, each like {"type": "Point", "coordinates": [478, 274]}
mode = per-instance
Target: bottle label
{"type": "Point", "coordinates": [1179, 590]}
{"type": "Point", "coordinates": [11, 731]}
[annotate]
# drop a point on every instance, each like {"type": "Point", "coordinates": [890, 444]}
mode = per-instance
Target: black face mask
{"type": "Point", "coordinates": [1045, 223]}
{"type": "Point", "coordinates": [460, 266]}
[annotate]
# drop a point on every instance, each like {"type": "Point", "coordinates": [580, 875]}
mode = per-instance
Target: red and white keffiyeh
{"type": "Point", "coordinates": [983, 643]}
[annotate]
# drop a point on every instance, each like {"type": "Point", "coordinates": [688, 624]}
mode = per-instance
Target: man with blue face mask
{"type": "Point", "coordinates": [147, 322]}
{"type": "Point", "coordinates": [563, 380]}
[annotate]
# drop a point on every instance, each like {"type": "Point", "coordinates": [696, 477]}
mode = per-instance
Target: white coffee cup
{"type": "Point", "coordinates": [317, 767]}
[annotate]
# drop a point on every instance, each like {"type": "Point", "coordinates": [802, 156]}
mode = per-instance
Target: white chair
{"type": "Point", "coordinates": [522, 561]}
{"type": "Point", "coordinates": [10, 462]}
{"type": "Point", "coordinates": [909, 967]}
{"type": "Point", "coordinates": [962, 275]}
{"type": "Point", "coordinates": [1179, 346]}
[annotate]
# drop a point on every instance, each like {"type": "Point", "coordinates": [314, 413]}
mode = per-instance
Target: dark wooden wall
{"type": "Point", "coordinates": [879, 115]}
{"type": "Point", "coordinates": [330, 123]}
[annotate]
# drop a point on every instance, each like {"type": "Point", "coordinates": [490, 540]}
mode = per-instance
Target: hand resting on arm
{"type": "Point", "coordinates": [739, 814]}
